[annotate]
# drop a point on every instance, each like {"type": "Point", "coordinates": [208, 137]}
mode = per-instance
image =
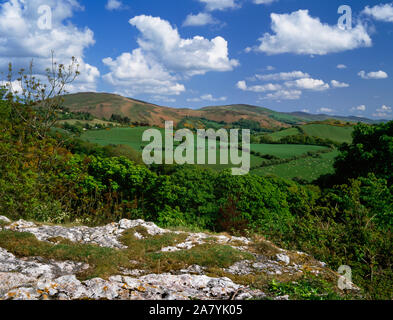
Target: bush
{"type": "Point", "coordinates": [370, 151]}
{"type": "Point", "coordinates": [231, 220]}
{"type": "Point", "coordinates": [341, 228]}
{"type": "Point", "coordinates": [309, 287]}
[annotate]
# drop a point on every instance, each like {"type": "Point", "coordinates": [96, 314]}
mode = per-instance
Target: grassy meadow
{"type": "Point", "coordinates": [324, 131]}
{"type": "Point", "coordinates": [308, 168]}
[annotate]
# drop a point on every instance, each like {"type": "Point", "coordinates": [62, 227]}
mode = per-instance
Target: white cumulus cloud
{"type": "Point", "coordinates": [381, 12]}
{"type": "Point", "coordinates": [242, 85]}
{"type": "Point", "coordinates": [207, 97]}
{"type": "Point", "coordinates": [338, 84]}
{"type": "Point", "coordinates": [308, 84]}
{"type": "Point", "coordinates": [200, 19]}
{"type": "Point", "coordinates": [287, 85]}
{"type": "Point", "coordinates": [212, 5]}
{"type": "Point", "coordinates": [360, 108]}
{"type": "Point", "coordinates": [282, 76]}
{"type": "Point", "coordinates": [114, 5]}
{"type": "Point", "coordinates": [301, 33]}
{"type": "Point", "coordinates": [325, 110]}
{"type": "Point", "coordinates": [22, 38]}
{"type": "Point", "coordinates": [382, 112]}
{"type": "Point", "coordinates": [283, 95]}
{"type": "Point", "coordinates": [373, 75]}
{"type": "Point", "coordinates": [164, 58]}
{"type": "Point", "coordinates": [264, 1]}
{"type": "Point", "coordinates": [133, 74]}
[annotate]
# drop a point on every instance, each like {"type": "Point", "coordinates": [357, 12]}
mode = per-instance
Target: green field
{"type": "Point", "coordinates": [308, 168]}
{"type": "Point", "coordinates": [276, 136]}
{"type": "Point", "coordinates": [127, 136]}
{"type": "Point", "coordinates": [133, 137]}
{"type": "Point", "coordinates": [285, 151]}
{"type": "Point", "coordinates": [339, 134]}
{"type": "Point", "coordinates": [325, 131]}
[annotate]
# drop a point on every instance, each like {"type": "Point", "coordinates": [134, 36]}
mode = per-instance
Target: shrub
{"type": "Point", "coordinates": [370, 151]}
{"type": "Point", "coordinates": [231, 220]}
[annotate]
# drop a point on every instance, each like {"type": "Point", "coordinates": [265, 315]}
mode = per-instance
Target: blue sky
{"type": "Point", "coordinates": [287, 55]}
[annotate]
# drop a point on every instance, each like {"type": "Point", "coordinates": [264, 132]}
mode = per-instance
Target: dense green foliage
{"type": "Point", "coordinates": [371, 151]}
{"type": "Point", "coordinates": [309, 140]}
{"type": "Point", "coordinates": [302, 139]}
{"type": "Point", "coordinates": [309, 287]}
{"type": "Point", "coordinates": [346, 225]}
{"type": "Point", "coordinates": [66, 114]}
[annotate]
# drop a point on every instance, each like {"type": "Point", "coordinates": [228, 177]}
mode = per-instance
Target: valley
{"type": "Point", "coordinates": [270, 153]}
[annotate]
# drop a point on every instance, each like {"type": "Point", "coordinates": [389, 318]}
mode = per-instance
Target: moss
{"type": "Point", "coordinates": [141, 230]}
{"type": "Point", "coordinates": [59, 240]}
{"type": "Point", "coordinates": [258, 280]}
{"type": "Point", "coordinates": [264, 247]}
{"type": "Point", "coordinates": [210, 240]}
{"type": "Point", "coordinates": [207, 255]}
{"type": "Point", "coordinates": [150, 243]}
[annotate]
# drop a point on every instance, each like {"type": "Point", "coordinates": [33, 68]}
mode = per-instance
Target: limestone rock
{"type": "Point", "coordinates": [35, 278]}
{"type": "Point", "coordinates": [283, 258]}
{"type": "Point", "coordinates": [34, 267]}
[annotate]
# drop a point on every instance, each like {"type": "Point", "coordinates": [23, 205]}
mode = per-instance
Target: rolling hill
{"type": "Point", "coordinates": [341, 134]}
{"type": "Point", "coordinates": [323, 117]}
{"type": "Point", "coordinates": [103, 105]}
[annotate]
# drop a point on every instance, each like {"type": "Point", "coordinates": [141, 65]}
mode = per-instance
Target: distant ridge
{"type": "Point", "coordinates": [103, 105]}
{"type": "Point", "coordinates": [322, 117]}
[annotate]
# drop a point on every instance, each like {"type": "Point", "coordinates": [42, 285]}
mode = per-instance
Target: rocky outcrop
{"type": "Point", "coordinates": [38, 278]}
{"type": "Point", "coordinates": [34, 279]}
{"type": "Point", "coordinates": [106, 236]}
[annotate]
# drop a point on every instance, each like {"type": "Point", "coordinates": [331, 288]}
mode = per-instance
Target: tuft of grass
{"type": "Point", "coordinates": [59, 240]}
{"type": "Point", "coordinates": [189, 229]}
{"type": "Point", "coordinates": [221, 256]}
{"type": "Point", "coordinates": [264, 247]}
{"type": "Point", "coordinates": [140, 229]}
{"type": "Point", "coordinates": [258, 280]}
{"type": "Point", "coordinates": [139, 247]}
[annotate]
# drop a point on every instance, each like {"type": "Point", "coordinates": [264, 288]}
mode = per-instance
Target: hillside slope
{"type": "Point", "coordinates": [307, 117]}
{"type": "Point", "coordinates": [103, 105]}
